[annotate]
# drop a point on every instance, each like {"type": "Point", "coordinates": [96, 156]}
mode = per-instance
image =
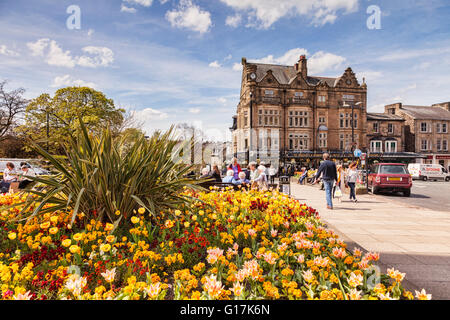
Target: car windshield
{"type": "Point", "coordinates": [392, 170]}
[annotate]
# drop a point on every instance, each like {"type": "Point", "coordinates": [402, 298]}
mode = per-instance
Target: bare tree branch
{"type": "Point", "coordinates": [12, 103]}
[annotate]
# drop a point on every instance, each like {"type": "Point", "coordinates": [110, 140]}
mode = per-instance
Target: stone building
{"type": "Point", "coordinates": [385, 133]}
{"type": "Point", "coordinates": [426, 130]}
{"type": "Point", "coordinates": [284, 113]}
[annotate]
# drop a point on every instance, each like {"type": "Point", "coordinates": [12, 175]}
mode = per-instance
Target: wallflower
{"type": "Point", "coordinates": [78, 236]}
{"type": "Point", "coordinates": [53, 230]}
{"type": "Point", "coordinates": [141, 210]}
{"type": "Point", "coordinates": [117, 213]}
{"type": "Point", "coordinates": [45, 225]}
{"type": "Point", "coordinates": [110, 238]}
{"type": "Point", "coordinates": [12, 235]}
{"type": "Point", "coordinates": [169, 224]}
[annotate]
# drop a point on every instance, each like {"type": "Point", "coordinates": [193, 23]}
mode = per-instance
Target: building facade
{"type": "Point", "coordinates": [426, 130]}
{"type": "Point", "coordinates": [285, 114]}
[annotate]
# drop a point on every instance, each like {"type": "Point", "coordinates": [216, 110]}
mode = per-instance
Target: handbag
{"type": "Point", "coordinates": [338, 193]}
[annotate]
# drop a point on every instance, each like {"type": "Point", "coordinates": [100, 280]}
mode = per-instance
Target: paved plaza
{"type": "Point", "coordinates": [410, 238]}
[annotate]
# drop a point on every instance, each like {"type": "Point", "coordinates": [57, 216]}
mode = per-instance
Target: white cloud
{"type": "Point", "coordinates": [37, 48]}
{"type": "Point", "coordinates": [90, 32]}
{"type": "Point", "coordinates": [370, 76]}
{"type": "Point", "coordinates": [145, 3]}
{"type": "Point", "coordinates": [102, 56]}
{"type": "Point", "coordinates": [234, 21]}
{"type": "Point", "coordinates": [67, 81]}
{"type": "Point", "coordinates": [8, 52]}
{"type": "Point", "coordinates": [411, 54]}
{"type": "Point", "coordinates": [237, 67]}
{"type": "Point", "coordinates": [189, 16]}
{"type": "Point", "coordinates": [264, 13]}
{"type": "Point", "coordinates": [222, 100]}
{"type": "Point", "coordinates": [228, 57]}
{"type": "Point", "coordinates": [194, 110]}
{"type": "Point", "coordinates": [215, 64]}
{"type": "Point", "coordinates": [56, 56]}
{"type": "Point", "coordinates": [317, 63]}
{"type": "Point", "coordinates": [124, 8]}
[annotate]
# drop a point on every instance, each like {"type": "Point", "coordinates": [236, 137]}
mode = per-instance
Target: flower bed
{"type": "Point", "coordinates": [225, 245]}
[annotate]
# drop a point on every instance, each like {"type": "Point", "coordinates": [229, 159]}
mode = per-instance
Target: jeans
{"type": "Point", "coordinates": [328, 184]}
{"type": "Point", "coordinates": [351, 185]}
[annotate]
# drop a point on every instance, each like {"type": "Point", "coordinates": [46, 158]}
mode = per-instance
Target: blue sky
{"type": "Point", "coordinates": [174, 61]}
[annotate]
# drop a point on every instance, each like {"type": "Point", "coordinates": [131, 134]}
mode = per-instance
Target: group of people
{"type": "Point", "coordinates": [10, 175]}
{"type": "Point", "coordinates": [255, 176]}
{"type": "Point", "coordinates": [333, 178]}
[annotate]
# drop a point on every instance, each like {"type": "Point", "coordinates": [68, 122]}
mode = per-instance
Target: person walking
{"type": "Point", "coordinates": [352, 176]}
{"type": "Point", "coordinates": [337, 190]}
{"type": "Point", "coordinates": [328, 172]}
{"type": "Point", "coordinates": [272, 173]}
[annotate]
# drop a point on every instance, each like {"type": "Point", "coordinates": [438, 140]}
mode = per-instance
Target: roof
{"type": "Point", "coordinates": [285, 74]}
{"type": "Point", "coordinates": [426, 112]}
{"type": "Point", "coordinates": [384, 117]}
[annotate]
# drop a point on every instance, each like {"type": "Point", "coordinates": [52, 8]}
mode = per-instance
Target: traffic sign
{"type": "Point", "coordinates": [357, 153]}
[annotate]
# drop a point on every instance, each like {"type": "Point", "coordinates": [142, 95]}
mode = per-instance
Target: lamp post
{"type": "Point", "coordinates": [353, 125]}
{"type": "Point", "coordinates": [251, 122]}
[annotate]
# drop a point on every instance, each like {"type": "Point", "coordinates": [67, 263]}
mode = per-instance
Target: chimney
{"type": "Point", "coordinates": [302, 67]}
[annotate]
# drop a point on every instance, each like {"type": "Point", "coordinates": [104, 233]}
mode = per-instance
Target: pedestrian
{"type": "Point", "coordinates": [337, 190]}
{"type": "Point", "coordinates": [328, 174]}
{"type": "Point", "coordinates": [352, 176]}
{"type": "Point", "coordinates": [272, 173]}
{"type": "Point", "coordinates": [235, 167]}
{"type": "Point", "coordinates": [216, 173]}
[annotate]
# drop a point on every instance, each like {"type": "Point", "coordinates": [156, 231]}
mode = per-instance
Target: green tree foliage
{"type": "Point", "coordinates": [61, 112]}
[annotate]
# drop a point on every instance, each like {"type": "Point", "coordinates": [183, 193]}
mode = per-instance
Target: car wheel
{"type": "Point", "coordinates": [407, 193]}
{"type": "Point", "coordinates": [373, 190]}
{"type": "Point", "coordinates": [447, 179]}
{"type": "Point", "coordinates": [425, 178]}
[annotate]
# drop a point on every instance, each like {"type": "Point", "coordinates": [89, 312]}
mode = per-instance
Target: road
{"type": "Point", "coordinates": [432, 195]}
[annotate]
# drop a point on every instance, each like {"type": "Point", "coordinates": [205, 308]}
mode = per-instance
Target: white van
{"type": "Point", "coordinates": [428, 172]}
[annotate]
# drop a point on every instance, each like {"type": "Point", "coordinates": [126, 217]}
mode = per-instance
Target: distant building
{"type": "Point", "coordinates": [296, 117]}
{"type": "Point", "coordinates": [426, 130]}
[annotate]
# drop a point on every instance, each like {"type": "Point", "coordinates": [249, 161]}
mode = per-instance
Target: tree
{"type": "Point", "coordinates": [12, 104]}
{"type": "Point", "coordinates": [51, 120]}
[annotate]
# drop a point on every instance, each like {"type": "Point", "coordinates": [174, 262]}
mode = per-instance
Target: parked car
{"type": "Point", "coordinates": [392, 177]}
{"type": "Point", "coordinates": [428, 172]}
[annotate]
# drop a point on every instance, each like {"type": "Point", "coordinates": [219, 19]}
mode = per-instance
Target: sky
{"type": "Point", "coordinates": [178, 61]}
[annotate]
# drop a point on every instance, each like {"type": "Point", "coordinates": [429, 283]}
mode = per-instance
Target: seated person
{"type": "Point", "coordinates": [205, 174]}
{"type": "Point", "coordinates": [242, 179]}
{"type": "Point", "coordinates": [26, 172]}
{"type": "Point", "coordinates": [9, 175]}
{"type": "Point", "coordinates": [229, 178]}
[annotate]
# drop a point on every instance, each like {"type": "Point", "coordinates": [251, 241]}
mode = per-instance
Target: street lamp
{"type": "Point", "coordinates": [251, 120]}
{"type": "Point", "coordinates": [353, 125]}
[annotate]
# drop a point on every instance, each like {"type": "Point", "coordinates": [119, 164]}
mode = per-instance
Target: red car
{"type": "Point", "coordinates": [390, 177]}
